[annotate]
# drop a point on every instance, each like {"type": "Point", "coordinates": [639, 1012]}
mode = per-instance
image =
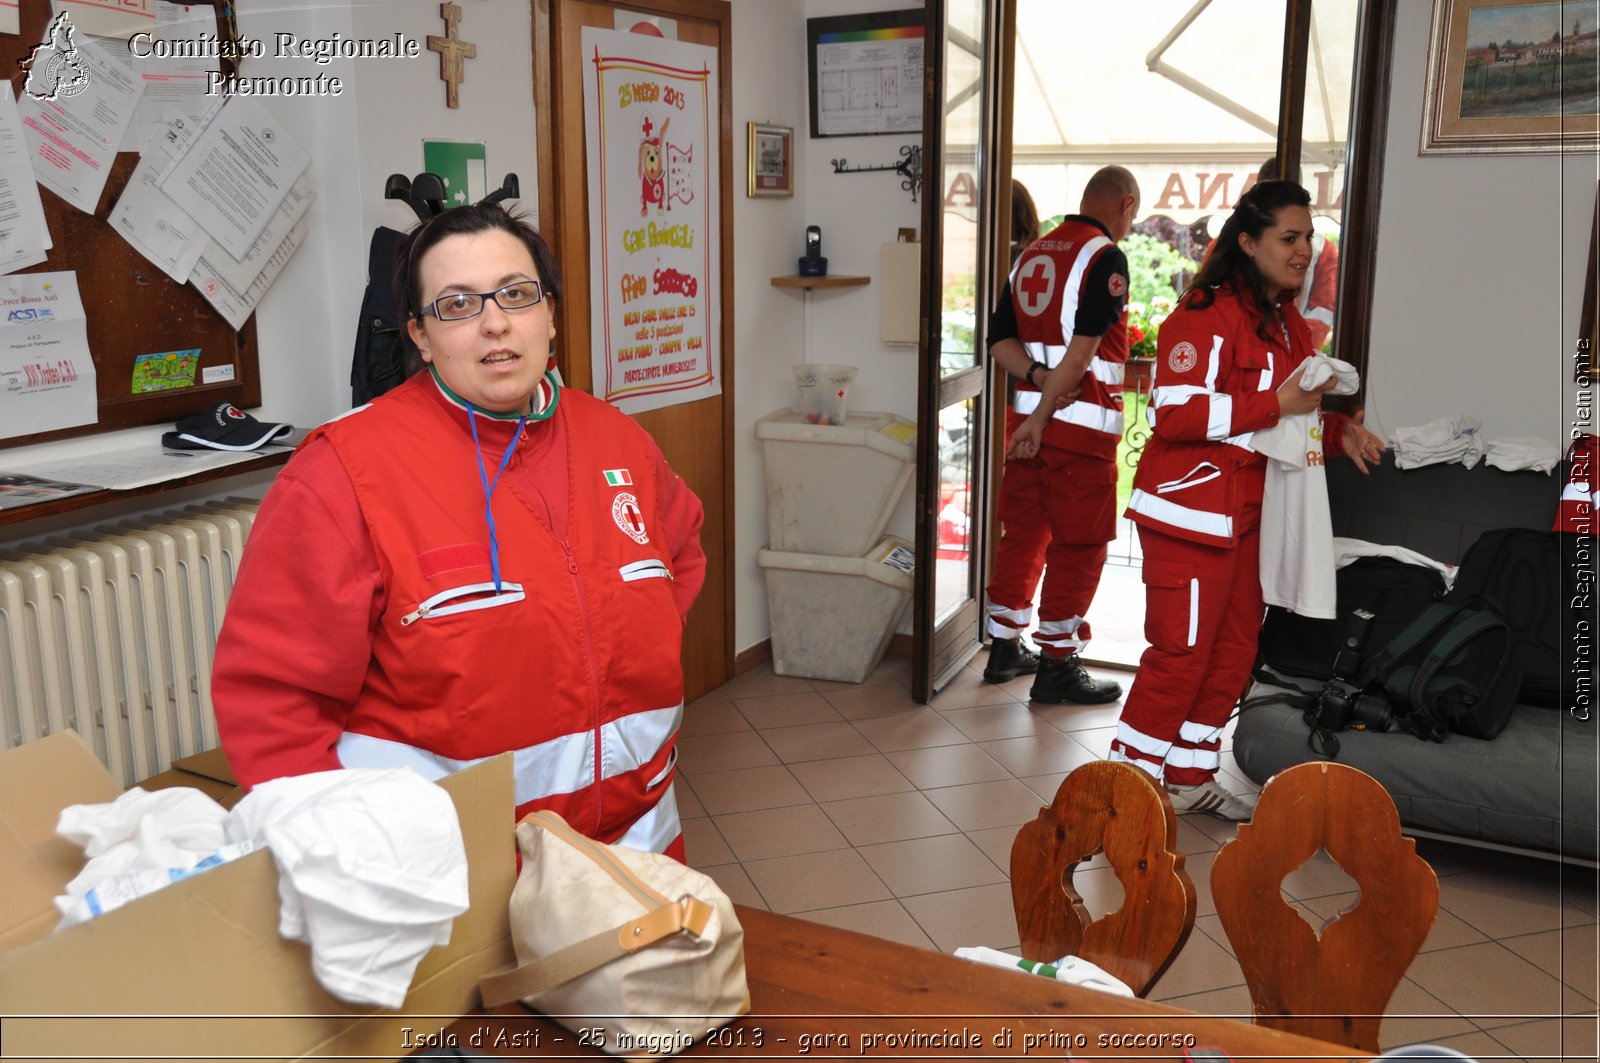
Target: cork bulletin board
{"type": "Point", "coordinates": [132, 307]}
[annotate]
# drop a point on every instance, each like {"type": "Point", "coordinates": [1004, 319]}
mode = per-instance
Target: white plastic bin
{"type": "Point", "coordinates": [833, 617]}
{"type": "Point", "coordinates": [832, 489]}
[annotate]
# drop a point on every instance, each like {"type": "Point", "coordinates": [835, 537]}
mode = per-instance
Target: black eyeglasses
{"type": "Point", "coordinates": [458, 306]}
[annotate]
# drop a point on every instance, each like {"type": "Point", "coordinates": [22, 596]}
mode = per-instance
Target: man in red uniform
{"type": "Point", "coordinates": [1064, 312]}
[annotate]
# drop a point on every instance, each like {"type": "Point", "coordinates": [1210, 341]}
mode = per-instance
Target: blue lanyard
{"type": "Point", "coordinates": [488, 488]}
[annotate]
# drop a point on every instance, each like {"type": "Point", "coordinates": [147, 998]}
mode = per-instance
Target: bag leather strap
{"type": "Point", "coordinates": [686, 915]}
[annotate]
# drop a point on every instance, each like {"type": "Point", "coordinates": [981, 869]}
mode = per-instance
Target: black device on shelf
{"type": "Point", "coordinates": [813, 264]}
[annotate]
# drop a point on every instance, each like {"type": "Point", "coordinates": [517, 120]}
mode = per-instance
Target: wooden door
{"type": "Point", "coordinates": [696, 437]}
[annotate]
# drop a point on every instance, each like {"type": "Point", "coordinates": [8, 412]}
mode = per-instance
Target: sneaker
{"type": "Point", "coordinates": [1210, 798]}
{"type": "Point", "coordinates": [1065, 679]}
{"type": "Point", "coordinates": [1009, 658]}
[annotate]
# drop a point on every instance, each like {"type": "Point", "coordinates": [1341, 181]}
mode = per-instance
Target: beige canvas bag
{"type": "Point", "coordinates": [639, 953]}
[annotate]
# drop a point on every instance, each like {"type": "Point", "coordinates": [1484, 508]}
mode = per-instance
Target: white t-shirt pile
{"type": "Point", "coordinates": [1438, 442]}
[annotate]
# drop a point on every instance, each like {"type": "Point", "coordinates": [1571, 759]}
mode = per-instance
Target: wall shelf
{"type": "Point", "coordinates": [22, 514]}
{"type": "Point", "coordinates": [825, 281]}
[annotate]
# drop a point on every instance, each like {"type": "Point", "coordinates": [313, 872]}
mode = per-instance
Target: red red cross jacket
{"type": "Point", "coordinates": [1215, 386]}
{"type": "Point", "coordinates": [573, 667]}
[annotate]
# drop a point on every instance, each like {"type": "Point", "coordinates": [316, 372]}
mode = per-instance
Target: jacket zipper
{"type": "Point", "coordinates": [587, 633]}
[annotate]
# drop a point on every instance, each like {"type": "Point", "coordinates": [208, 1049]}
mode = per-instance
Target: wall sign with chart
{"type": "Point", "coordinates": [866, 73]}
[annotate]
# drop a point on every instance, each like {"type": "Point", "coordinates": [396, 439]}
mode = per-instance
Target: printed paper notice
{"type": "Point", "coordinates": [236, 305]}
{"type": "Point", "coordinates": [121, 19]}
{"type": "Point", "coordinates": [24, 235]}
{"type": "Point", "coordinates": [47, 378]}
{"type": "Point", "coordinates": [74, 113]}
{"type": "Point", "coordinates": [241, 273]}
{"type": "Point", "coordinates": [146, 218]}
{"type": "Point", "coordinates": [235, 174]}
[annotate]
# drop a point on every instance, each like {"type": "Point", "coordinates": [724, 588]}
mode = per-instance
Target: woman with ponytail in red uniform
{"type": "Point", "coordinates": [1229, 364]}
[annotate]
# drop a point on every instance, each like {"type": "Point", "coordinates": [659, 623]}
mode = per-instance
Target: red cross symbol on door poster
{"type": "Point", "coordinates": [1036, 284]}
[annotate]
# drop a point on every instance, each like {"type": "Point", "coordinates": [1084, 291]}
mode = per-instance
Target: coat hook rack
{"type": "Point", "coordinates": [425, 193]}
{"type": "Point", "coordinates": [909, 168]}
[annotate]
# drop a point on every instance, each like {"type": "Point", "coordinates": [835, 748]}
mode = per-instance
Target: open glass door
{"type": "Point", "coordinates": [959, 129]}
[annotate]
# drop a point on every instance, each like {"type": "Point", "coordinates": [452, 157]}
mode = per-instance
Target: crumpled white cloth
{"type": "Point", "coordinates": [136, 841]}
{"type": "Point", "coordinates": [1346, 550]}
{"type": "Point", "coordinates": [1296, 525]}
{"type": "Point", "coordinates": [1514, 453]}
{"type": "Point", "coordinates": [372, 872]}
{"type": "Point", "coordinates": [1440, 441]}
{"type": "Point", "coordinates": [1074, 970]}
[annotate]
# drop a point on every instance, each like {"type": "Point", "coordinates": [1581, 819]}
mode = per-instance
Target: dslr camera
{"type": "Point", "coordinates": [1341, 705]}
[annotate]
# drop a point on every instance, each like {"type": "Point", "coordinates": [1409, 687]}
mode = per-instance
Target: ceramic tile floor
{"type": "Point", "coordinates": [854, 806]}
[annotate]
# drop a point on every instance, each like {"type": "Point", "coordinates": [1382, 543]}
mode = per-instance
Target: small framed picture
{"type": "Point", "coordinates": [771, 160]}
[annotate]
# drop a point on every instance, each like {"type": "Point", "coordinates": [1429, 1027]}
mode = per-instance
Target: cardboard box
{"type": "Point", "coordinates": [208, 772]}
{"type": "Point", "coordinates": [197, 970]}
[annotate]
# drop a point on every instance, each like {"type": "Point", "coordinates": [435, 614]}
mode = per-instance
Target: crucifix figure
{"type": "Point", "coordinates": [453, 53]}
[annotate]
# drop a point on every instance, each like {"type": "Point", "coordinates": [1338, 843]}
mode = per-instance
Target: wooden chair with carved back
{"type": "Point", "coordinates": [1335, 984]}
{"type": "Point", "coordinates": [1116, 808]}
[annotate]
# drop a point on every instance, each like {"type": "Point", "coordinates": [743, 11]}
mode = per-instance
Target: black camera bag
{"type": "Point", "coordinates": [1377, 598]}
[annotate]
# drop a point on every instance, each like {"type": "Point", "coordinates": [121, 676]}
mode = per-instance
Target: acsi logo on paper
{"type": "Point", "coordinates": [62, 72]}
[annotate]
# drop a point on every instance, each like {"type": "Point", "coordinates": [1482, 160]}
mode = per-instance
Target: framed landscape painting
{"type": "Point", "coordinates": [1512, 76]}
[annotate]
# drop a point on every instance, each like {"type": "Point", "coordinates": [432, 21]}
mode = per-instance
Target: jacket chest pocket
{"type": "Point", "coordinates": [1255, 367]}
{"type": "Point", "coordinates": [458, 579]}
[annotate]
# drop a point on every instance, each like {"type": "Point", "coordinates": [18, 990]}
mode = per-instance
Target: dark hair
{"type": "Point", "coordinates": [1024, 218]}
{"type": "Point", "coordinates": [1255, 213]}
{"type": "Point", "coordinates": [461, 221]}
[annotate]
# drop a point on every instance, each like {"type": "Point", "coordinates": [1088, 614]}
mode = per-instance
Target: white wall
{"type": "Point", "coordinates": [857, 214]}
{"type": "Point", "coordinates": [1480, 273]}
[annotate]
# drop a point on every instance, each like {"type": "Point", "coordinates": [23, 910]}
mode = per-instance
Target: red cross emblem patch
{"type": "Point", "coordinates": [629, 517]}
{"type": "Point", "coordinates": [1036, 283]}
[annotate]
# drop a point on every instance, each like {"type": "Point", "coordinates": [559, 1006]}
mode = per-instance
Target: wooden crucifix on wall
{"type": "Point", "coordinates": [453, 54]}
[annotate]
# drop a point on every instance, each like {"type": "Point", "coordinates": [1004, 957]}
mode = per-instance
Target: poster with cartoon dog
{"type": "Point", "coordinates": [650, 123]}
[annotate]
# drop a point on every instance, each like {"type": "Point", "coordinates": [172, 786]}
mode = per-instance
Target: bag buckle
{"type": "Point", "coordinates": [686, 915]}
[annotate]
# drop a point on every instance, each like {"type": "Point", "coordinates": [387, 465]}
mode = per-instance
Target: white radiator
{"type": "Point", "coordinates": [110, 633]}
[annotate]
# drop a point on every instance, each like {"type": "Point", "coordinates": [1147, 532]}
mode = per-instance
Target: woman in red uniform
{"type": "Point", "coordinates": [477, 562]}
{"type": "Point", "coordinates": [1229, 364]}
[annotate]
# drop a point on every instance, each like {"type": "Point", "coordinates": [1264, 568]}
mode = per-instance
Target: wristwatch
{"type": "Point", "coordinates": [1028, 376]}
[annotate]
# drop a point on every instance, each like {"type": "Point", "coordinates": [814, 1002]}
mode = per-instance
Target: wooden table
{"type": "Point", "coordinates": [817, 991]}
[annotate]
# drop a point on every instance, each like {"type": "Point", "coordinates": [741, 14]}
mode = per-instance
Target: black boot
{"type": "Point", "coordinates": [1064, 679]}
{"type": "Point", "coordinates": [1009, 658]}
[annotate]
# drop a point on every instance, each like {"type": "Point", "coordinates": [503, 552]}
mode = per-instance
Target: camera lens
{"type": "Point", "coordinates": [1371, 712]}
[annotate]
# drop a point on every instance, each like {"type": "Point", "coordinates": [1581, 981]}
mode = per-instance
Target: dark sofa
{"type": "Point", "coordinates": [1534, 786]}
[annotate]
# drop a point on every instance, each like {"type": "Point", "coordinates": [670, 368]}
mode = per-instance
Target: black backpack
{"type": "Point", "coordinates": [1453, 669]}
{"type": "Point", "coordinates": [1521, 571]}
{"type": "Point", "coordinates": [1377, 598]}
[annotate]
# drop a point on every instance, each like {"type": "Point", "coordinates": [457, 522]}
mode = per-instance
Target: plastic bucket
{"type": "Point", "coordinates": [824, 392]}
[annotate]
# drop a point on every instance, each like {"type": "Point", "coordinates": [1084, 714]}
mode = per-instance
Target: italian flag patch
{"type": "Point", "coordinates": [618, 478]}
